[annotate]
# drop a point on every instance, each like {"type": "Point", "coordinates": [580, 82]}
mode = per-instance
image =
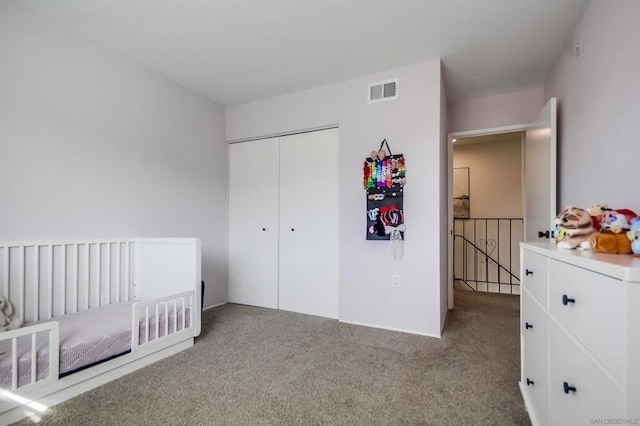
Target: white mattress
{"type": "Point", "coordinates": [86, 338]}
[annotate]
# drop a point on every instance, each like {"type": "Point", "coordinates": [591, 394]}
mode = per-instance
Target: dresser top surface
{"type": "Point", "coordinates": [624, 267]}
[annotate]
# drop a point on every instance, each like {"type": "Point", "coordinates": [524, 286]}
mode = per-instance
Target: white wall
{"type": "Point", "coordinates": [411, 124]}
{"type": "Point", "coordinates": [495, 111]}
{"type": "Point", "coordinates": [599, 100]}
{"type": "Point", "coordinates": [94, 145]}
{"type": "Point", "coordinates": [495, 176]}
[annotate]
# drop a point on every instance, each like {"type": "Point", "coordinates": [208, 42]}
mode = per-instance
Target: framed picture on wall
{"type": "Point", "coordinates": [461, 183]}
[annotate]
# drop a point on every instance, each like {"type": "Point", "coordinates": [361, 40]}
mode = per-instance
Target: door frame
{"type": "Point", "coordinates": [466, 134]}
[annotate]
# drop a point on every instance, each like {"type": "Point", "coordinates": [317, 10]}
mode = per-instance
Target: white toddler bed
{"type": "Point", "coordinates": [92, 311]}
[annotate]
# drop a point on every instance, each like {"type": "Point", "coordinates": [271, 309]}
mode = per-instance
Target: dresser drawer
{"type": "Point", "coordinates": [591, 307]}
{"type": "Point", "coordinates": [534, 274]}
{"type": "Point", "coordinates": [534, 332]}
{"type": "Point", "coordinates": [596, 396]}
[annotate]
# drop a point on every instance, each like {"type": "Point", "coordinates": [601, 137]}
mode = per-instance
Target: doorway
{"type": "Point", "coordinates": [488, 207]}
{"type": "Point", "coordinates": [539, 178]}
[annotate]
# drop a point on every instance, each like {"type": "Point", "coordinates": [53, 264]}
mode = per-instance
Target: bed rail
{"type": "Point", "coordinates": [171, 317]}
{"type": "Point", "coordinates": [29, 334]}
{"type": "Point", "coordinates": [43, 279]}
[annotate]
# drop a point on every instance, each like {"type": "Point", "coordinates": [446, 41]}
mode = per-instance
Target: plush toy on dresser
{"type": "Point", "coordinates": [634, 236]}
{"type": "Point", "coordinates": [559, 233]}
{"type": "Point", "coordinates": [596, 211]}
{"type": "Point", "coordinates": [576, 228]}
{"type": "Point", "coordinates": [611, 239]}
{"type": "Point", "coordinates": [617, 220]}
{"type": "Point", "coordinates": [608, 242]}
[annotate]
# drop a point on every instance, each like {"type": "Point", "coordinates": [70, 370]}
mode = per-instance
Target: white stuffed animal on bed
{"type": "Point", "coordinates": [6, 310]}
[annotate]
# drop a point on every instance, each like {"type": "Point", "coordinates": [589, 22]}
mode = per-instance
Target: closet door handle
{"type": "Point", "coordinates": [528, 272]}
{"type": "Point", "coordinates": [530, 382]}
{"type": "Point", "coordinates": [566, 300]}
{"type": "Point", "coordinates": [568, 388]}
{"type": "Point", "coordinates": [527, 325]}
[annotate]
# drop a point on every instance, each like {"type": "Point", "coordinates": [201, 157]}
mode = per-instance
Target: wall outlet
{"type": "Point", "coordinates": [395, 281]}
{"type": "Point", "coordinates": [577, 47]}
{"type": "Point", "coordinates": [104, 300]}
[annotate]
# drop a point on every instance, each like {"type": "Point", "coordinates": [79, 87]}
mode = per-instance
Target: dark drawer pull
{"type": "Point", "coordinates": [568, 388]}
{"type": "Point", "coordinates": [527, 325]}
{"type": "Point", "coordinates": [529, 382]}
{"type": "Point", "coordinates": [566, 300]}
{"type": "Point", "coordinates": [528, 272]}
{"type": "Point", "coordinates": [264, 229]}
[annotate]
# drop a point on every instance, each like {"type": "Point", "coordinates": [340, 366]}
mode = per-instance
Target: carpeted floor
{"type": "Point", "coordinates": [261, 366]}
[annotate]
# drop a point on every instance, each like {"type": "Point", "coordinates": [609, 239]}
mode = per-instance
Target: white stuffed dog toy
{"type": "Point", "coordinates": [6, 310]}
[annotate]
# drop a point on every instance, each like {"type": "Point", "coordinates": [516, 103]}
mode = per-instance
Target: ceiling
{"type": "Point", "coordinates": [234, 51]}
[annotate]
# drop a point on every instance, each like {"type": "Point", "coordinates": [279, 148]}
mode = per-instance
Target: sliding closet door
{"type": "Point", "coordinates": [309, 223]}
{"type": "Point", "coordinates": [253, 223]}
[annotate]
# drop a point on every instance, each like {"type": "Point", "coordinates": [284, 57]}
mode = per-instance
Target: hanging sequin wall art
{"type": "Point", "coordinates": [383, 180]}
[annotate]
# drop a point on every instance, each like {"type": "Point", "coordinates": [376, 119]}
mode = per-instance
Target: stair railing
{"type": "Point", "coordinates": [486, 254]}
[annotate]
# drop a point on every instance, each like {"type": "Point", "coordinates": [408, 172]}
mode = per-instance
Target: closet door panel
{"type": "Point", "coordinates": [253, 223]}
{"type": "Point", "coordinates": [309, 223]}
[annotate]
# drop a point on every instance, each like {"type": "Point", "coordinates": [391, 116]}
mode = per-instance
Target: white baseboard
{"type": "Point", "coordinates": [391, 329]}
{"type": "Point", "coordinates": [215, 306]}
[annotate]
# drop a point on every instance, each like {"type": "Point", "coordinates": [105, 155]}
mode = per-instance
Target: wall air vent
{"type": "Point", "coordinates": [383, 90]}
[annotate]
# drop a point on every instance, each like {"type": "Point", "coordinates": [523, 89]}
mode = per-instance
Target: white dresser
{"type": "Point", "coordinates": [580, 336]}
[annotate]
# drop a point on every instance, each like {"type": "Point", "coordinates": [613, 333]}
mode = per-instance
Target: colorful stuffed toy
{"type": "Point", "coordinates": [617, 220]}
{"type": "Point", "coordinates": [559, 233]}
{"type": "Point", "coordinates": [578, 226]}
{"type": "Point", "coordinates": [608, 242]}
{"type": "Point", "coordinates": [634, 236]}
{"type": "Point", "coordinates": [611, 223]}
{"type": "Point", "coordinates": [596, 212]}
